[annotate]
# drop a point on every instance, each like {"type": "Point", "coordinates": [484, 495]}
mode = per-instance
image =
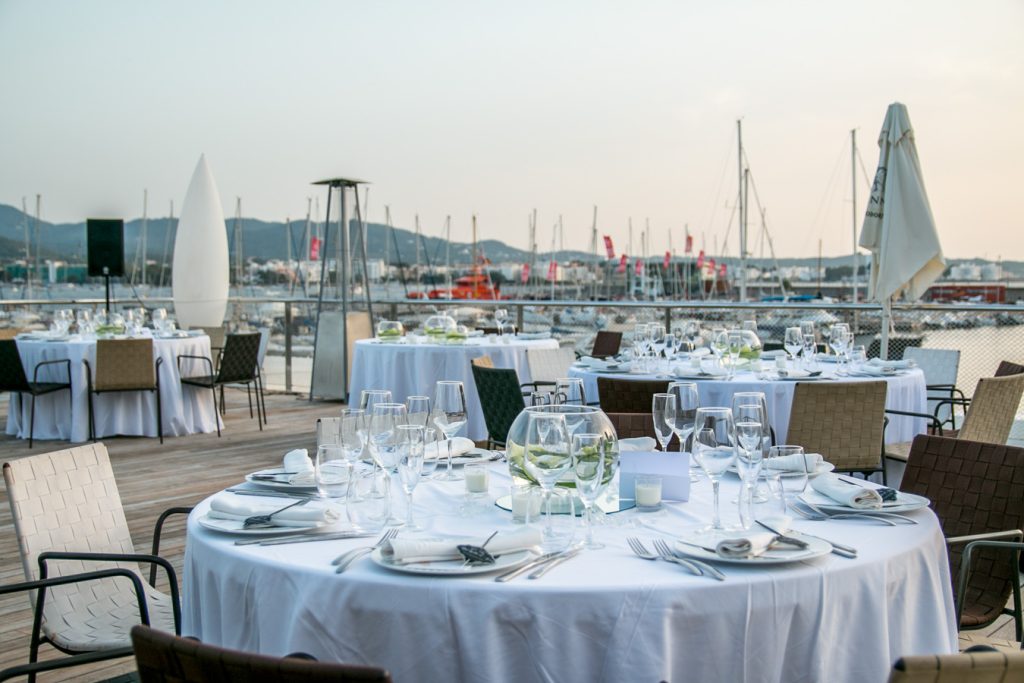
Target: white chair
{"type": "Point", "coordinates": [69, 522]}
{"type": "Point", "coordinates": [940, 367]}
{"type": "Point", "coordinates": [549, 365]}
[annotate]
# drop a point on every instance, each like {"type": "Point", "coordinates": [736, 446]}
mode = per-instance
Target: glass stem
{"type": "Point", "coordinates": [717, 523]}
{"type": "Point", "coordinates": [548, 527]}
{"type": "Point", "coordinates": [449, 458]}
{"type": "Point", "coordinates": [589, 521]}
{"type": "Point", "coordinates": [408, 511]}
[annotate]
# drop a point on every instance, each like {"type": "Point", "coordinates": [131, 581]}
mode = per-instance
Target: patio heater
{"type": "Point", "coordinates": [333, 338]}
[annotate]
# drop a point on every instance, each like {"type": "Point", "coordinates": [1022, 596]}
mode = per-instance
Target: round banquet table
{"type": "Point", "coordinates": [410, 369]}
{"type": "Point", "coordinates": [186, 410]}
{"type": "Point", "coordinates": [605, 615]}
{"type": "Point", "coordinates": [905, 391]}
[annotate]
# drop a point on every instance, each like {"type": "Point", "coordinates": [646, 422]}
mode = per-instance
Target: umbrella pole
{"type": "Point", "coordinates": [886, 325]}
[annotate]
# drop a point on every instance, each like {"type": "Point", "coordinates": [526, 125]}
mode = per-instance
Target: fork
{"type": "Point", "coordinates": [345, 559]}
{"type": "Point", "coordinates": [816, 514]}
{"type": "Point", "coordinates": [668, 554]}
{"type": "Point", "coordinates": [264, 520]}
{"type": "Point", "coordinates": [641, 551]}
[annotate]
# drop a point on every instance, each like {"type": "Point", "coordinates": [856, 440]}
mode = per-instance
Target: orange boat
{"type": "Point", "coordinates": [474, 286]}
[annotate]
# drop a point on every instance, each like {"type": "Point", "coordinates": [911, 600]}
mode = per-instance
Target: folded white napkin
{"type": "Point", "coordinates": [696, 353]}
{"type": "Point", "coordinates": [795, 374]}
{"type": "Point", "coordinates": [534, 335]}
{"type": "Point", "coordinates": [850, 495]}
{"type": "Point", "coordinates": [868, 370]}
{"type": "Point", "coordinates": [409, 550]}
{"type": "Point", "coordinates": [826, 358]}
{"type": "Point", "coordinates": [775, 353]}
{"type": "Point", "coordinates": [894, 364]}
{"type": "Point", "coordinates": [791, 463]}
{"type": "Point", "coordinates": [228, 506]}
{"type": "Point", "coordinates": [460, 446]}
{"type": "Point", "coordinates": [297, 461]}
{"type": "Point", "coordinates": [753, 544]}
{"type": "Point", "coordinates": [639, 443]}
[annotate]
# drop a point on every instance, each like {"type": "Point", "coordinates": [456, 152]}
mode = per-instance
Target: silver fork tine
{"type": "Point", "coordinates": [639, 549]}
{"type": "Point", "coordinates": [385, 537]}
{"type": "Point", "coordinates": [706, 569]}
{"type": "Point", "coordinates": [667, 555]}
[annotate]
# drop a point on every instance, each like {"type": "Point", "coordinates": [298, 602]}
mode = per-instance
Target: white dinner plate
{"type": "Point", "coordinates": [807, 378]}
{"type": "Point", "coordinates": [283, 484]}
{"type": "Point", "coordinates": [455, 567]}
{"type": "Point", "coordinates": [782, 555]}
{"type": "Point", "coordinates": [905, 502]}
{"type": "Point", "coordinates": [232, 526]}
{"type": "Point", "coordinates": [702, 376]}
{"type": "Point", "coordinates": [821, 469]}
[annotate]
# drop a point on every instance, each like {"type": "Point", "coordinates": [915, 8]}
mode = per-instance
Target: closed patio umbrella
{"type": "Point", "coordinates": [899, 229]}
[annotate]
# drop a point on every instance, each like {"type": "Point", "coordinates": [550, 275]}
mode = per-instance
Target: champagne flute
{"type": "Point", "coordinates": [749, 456]}
{"type": "Point", "coordinates": [418, 409]}
{"type": "Point", "coordinates": [385, 443]}
{"type": "Point", "coordinates": [589, 460]}
{"type": "Point", "coordinates": [793, 341]}
{"type": "Point", "coordinates": [758, 399]}
{"type": "Point", "coordinates": [663, 410]}
{"type": "Point", "coordinates": [569, 391]}
{"type": "Point", "coordinates": [794, 481]}
{"type": "Point", "coordinates": [410, 466]}
{"type": "Point", "coordinates": [735, 348]}
{"type": "Point", "coordinates": [838, 339]}
{"type": "Point", "coordinates": [547, 457]}
{"type": "Point", "coordinates": [450, 417]}
{"type": "Point", "coordinates": [720, 344]}
{"type": "Point", "coordinates": [687, 402]}
{"type": "Point", "coordinates": [429, 448]}
{"type": "Point", "coordinates": [368, 398]}
{"type": "Point", "coordinates": [352, 435]}
{"type": "Point", "coordinates": [714, 449]}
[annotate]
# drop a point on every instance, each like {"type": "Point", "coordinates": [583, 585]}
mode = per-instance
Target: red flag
{"type": "Point", "coordinates": [639, 267]}
{"type": "Point", "coordinates": [524, 274]}
{"type": "Point", "coordinates": [689, 244]}
{"type": "Point", "coordinates": [622, 264]}
{"type": "Point", "coordinates": [700, 259]}
{"type": "Point", "coordinates": [314, 248]}
{"type": "Point", "coordinates": [668, 259]}
{"type": "Point", "coordinates": [711, 265]}
{"type": "Point", "coordinates": [608, 248]}
{"type": "Point", "coordinates": [552, 270]}
{"type": "Point", "coordinates": [721, 270]}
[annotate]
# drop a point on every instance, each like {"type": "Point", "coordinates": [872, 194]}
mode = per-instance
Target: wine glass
{"type": "Point", "coordinates": [569, 391]}
{"type": "Point", "coordinates": [384, 442]}
{"type": "Point", "coordinates": [691, 329]}
{"type": "Point", "coordinates": [589, 460]}
{"type": "Point", "coordinates": [720, 344]}
{"type": "Point", "coordinates": [159, 316]}
{"type": "Point", "coordinates": [429, 448]}
{"type": "Point", "coordinates": [640, 346]}
{"type": "Point", "coordinates": [663, 410]}
{"type": "Point", "coordinates": [838, 341]}
{"type": "Point", "coordinates": [418, 410]}
{"type": "Point", "coordinates": [500, 317]}
{"type": "Point", "coordinates": [735, 348]}
{"type": "Point", "coordinates": [352, 434]}
{"type": "Point", "coordinates": [687, 402]}
{"type": "Point", "coordinates": [749, 326]}
{"type": "Point", "coordinates": [671, 347]}
{"type": "Point", "coordinates": [450, 417]}
{"type": "Point", "coordinates": [810, 351]}
{"type": "Point", "coordinates": [793, 341]}
{"type": "Point", "coordinates": [749, 456]}
{"type": "Point", "coordinates": [794, 481]}
{"type": "Point", "coordinates": [86, 327]}
{"type": "Point", "coordinates": [410, 466]}
{"type": "Point", "coordinates": [369, 398]}
{"type": "Point", "coordinates": [714, 449]}
{"type": "Point", "coordinates": [807, 327]}
{"type": "Point", "coordinates": [547, 457]}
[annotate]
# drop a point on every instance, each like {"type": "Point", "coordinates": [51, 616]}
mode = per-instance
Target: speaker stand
{"type": "Point", "coordinates": [106, 279]}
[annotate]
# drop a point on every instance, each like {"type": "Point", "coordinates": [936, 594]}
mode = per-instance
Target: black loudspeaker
{"type": "Point", "coordinates": [105, 240]}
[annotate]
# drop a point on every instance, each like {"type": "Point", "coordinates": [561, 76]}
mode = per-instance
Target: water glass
{"type": "Point", "coordinates": [352, 434]}
{"type": "Point", "coordinates": [332, 471]}
{"type": "Point", "coordinates": [429, 449]}
{"type": "Point", "coordinates": [791, 481]}
{"type": "Point", "coordinates": [541, 398]}
{"type": "Point", "coordinates": [366, 507]}
{"type": "Point", "coordinates": [590, 453]}
{"type": "Point", "coordinates": [569, 391]}
{"type": "Point", "coordinates": [714, 449]}
{"type": "Point", "coordinates": [418, 410]}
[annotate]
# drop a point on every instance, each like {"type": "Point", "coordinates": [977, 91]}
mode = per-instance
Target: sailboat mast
{"type": "Point", "coordinates": [853, 186]}
{"type": "Point", "coordinates": [238, 241]}
{"type": "Point", "coordinates": [448, 250]}
{"type": "Point", "coordinates": [167, 245]}
{"type": "Point", "coordinates": [145, 230]}
{"type": "Point", "coordinates": [416, 239]}
{"type": "Point", "coordinates": [38, 230]}
{"type": "Point", "coordinates": [28, 248]}
{"type": "Point", "coordinates": [474, 242]}
{"type": "Point", "coordinates": [593, 252]}
{"type": "Point", "coordinates": [387, 247]}
{"type": "Point", "coordinates": [743, 213]}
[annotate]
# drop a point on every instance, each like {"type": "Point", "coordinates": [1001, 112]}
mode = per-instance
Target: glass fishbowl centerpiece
{"type": "Point", "coordinates": [436, 327]}
{"type": "Point", "coordinates": [390, 330]}
{"type": "Point", "coordinates": [751, 349]}
{"type": "Point", "coordinates": [457, 334]}
{"type": "Point", "coordinates": [579, 420]}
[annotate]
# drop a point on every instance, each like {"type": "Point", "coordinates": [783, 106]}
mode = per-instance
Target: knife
{"type": "Point", "coordinates": [532, 564]}
{"type": "Point", "coordinates": [837, 548]}
{"type": "Point", "coordinates": [303, 538]}
{"type": "Point", "coordinates": [783, 538]}
{"type": "Point", "coordinates": [547, 566]}
{"type": "Point", "coordinates": [267, 493]}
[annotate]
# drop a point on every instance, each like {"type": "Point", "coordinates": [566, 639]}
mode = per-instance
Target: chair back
{"type": "Point", "coordinates": [9, 332]}
{"type": "Point", "coordinates": [897, 345]}
{"type": "Point", "coordinates": [966, 667]}
{"type": "Point", "coordinates": [482, 362]}
{"type": "Point", "coordinates": [241, 357]}
{"type": "Point", "coordinates": [124, 364]}
{"type": "Point", "coordinates": [1009, 368]}
{"type": "Point", "coordinates": [606, 344]}
{"type": "Point", "coordinates": [975, 488]}
{"type": "Point", "coordinates": [841, 420]}
{"type": "Point", "coordinates": [940, 368]}
{"type": "Point", "coordinates": [549, 365]}
{"type": "Point", "coordinates": [166, 658]}
{"type": "Point", "coordinates": [993, 409]}
{"type": "Point", "coordinates": [627, 395]}
{"type": "Point", "coordinates": [217, 336]}
{"type": "Point", "coordinates": [12, 372]}
{"type": "Point", "coordinates": [500, 399]}
{"type": "Point", "coordinates": [264, 343]}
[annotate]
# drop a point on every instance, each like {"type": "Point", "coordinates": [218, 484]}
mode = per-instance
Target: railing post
{"type": "Point", "coordinates": [287, 346]}
{"type": "Point", "coordinates": [668, 319]}
{"type": "Point", "coordinates": [519, 317]}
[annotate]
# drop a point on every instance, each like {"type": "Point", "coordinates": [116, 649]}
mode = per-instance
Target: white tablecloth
{"type": "Point", "coordinates": [414, 369]}
{"type": "Point", "coordinates": [903, 392]}
{"type": "Point", "coordinates": [604, 616]}
{"type": "Point", "coordinates": [186, 410]}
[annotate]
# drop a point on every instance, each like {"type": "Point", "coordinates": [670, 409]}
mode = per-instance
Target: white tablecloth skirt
{"type": "Point", "coordinates": [186, 410]}
{"type": "Point", "coordinates": [413, 369]}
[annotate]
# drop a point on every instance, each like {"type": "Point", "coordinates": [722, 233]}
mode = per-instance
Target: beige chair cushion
{"type": "Point", "coordinates": [969, 667]}
{"type": "Point", "coordinates": [898, 451]}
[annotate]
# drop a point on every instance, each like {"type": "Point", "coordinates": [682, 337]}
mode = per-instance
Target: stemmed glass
{"type": "Point", "coordinates": [691, 329]}
{"type": "Point", "coordinates": [589, 458]}
{"type": "Point", "coordinates": [749, 435]}
{"type": "Point", "coordinates": [450, 416]}
{"type": "Point", "coordinates": [760, 414]}
{"type": "Point", "coordinates": [85, 324]}
{"type": "Point", "coordinates": [159, 316]}
{"type": "Point", "coordinates": [720, 344]}
{"type": "Point", "coordinates": [735, 348]}
{"type": "Point", "coordinates": [714, 449]}
{"type": "Point", "coordinates": [547, 458]}
{"type": "Point", "coordinates": [838, 341]}
{"type": "Point", "coordinates": [569, 391]}
{"type": "Point", "coordinates": [418, 408]}
{"type": "Point", "coordinates": [806, 328]}
{"type": "Point", "coordinates": [429, 444]}
{"type": "Point", "coordinates": [500, 316]}
{"type": "Point", "coordinates": [384, 442]}
{"type": "Point", "coordinates": [663, 410]}
{"type": "Point", "coordinates": [368, 399]}
{"type": "Point", "coordinates": [410, 466]}
{"type": "Point", "coordinates": [810, 351]}
{"type": "Point", "coordinates": [352, 435]}
{"type": "Point", "coordinates": [794, 482]}
{"type": "Point", "coordinates": [687, 402]}
{"type": "Point", "coordinates": [793, 341]}
{"type": "Point", "coordinates": [640, 344]}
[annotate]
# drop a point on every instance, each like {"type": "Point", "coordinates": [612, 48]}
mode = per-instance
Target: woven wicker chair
{"type": "Point", "coordinates": [9, 332]}
{"type": "Point", "coordinates": [239, 364]}
{"type": "Point", "coordinates": [968, 667]}
{"type": "Point", "coordinates": [635, 425]}
{"type": "Point", "coordinates": [940, 368]}
{"type": "Point", "coordinates": [627, 395]}
{"type": "Point", "coordinates": [1009, 368]}
{"type": "Point", "coordinates": [844, 421]}
{"type": "Point", "coordinates": [165, 658]}
{"type": "Point", "coordinates": [977, 492]}
{"type": "Point", "coordinates": [606, 344]}
{"type": "Point", "coordinates": [501, 400]}
{"type": "Point", "coordinates": [13, 379]}
{"type": "Point", "coordinates": [482, 362]}
{"type": "Point", "coordinates": [69, 521]}
{"type": "Point", "coordinates": [124, 365]}
{"type": "Point", "coordinates": [549, 365]}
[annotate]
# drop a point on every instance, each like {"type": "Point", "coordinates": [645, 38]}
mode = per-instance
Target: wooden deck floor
{"type": "Point", "coordinates": [151, 478]}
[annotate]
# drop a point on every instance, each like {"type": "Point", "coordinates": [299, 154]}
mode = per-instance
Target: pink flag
{"type": "Point", "coordinates": [668, 259]}
{"type": "Point", "coordinates": [552, 271]}
{"type": "Point", "coordinates": [314, 248]}
{"type": "Point", "coordinates": [524, 274]}
{"type": "Point", "coordinates": [622, 265]}
{"type": "Point", "coordinates": [608, 248]}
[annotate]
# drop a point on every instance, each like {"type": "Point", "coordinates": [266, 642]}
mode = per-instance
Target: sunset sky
{"type": "Point", "coordinates": [455, 108]}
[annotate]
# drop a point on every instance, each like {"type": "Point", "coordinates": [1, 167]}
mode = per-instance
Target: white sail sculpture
{"type": "Point", "coordinates": [200, 273]}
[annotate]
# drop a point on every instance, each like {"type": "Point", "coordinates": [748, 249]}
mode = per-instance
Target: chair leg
{"type": "Point", "coordinates": [248, 393]}
{"type": "Point", "coordinates": [92, 419]}
{"type": "Point", "coordinates": [159, 412]}
{"type": "Point", "coordinates": [261, 397]}
{"type": "Point", "coordinates": [216, 415]}
{"type": "Point", "coordinates": [31, 420]}
{"type": "Point", "coordinates": [223, 406]}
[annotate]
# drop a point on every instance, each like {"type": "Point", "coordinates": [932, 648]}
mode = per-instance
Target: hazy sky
{"type": "Point", "coordinates": [452, 108]}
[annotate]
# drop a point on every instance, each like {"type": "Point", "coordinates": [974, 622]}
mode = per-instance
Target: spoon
{"type": "Point", "coordinates": [264, 520]}
{"type": "Point", "coordinates": [476, 554]}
